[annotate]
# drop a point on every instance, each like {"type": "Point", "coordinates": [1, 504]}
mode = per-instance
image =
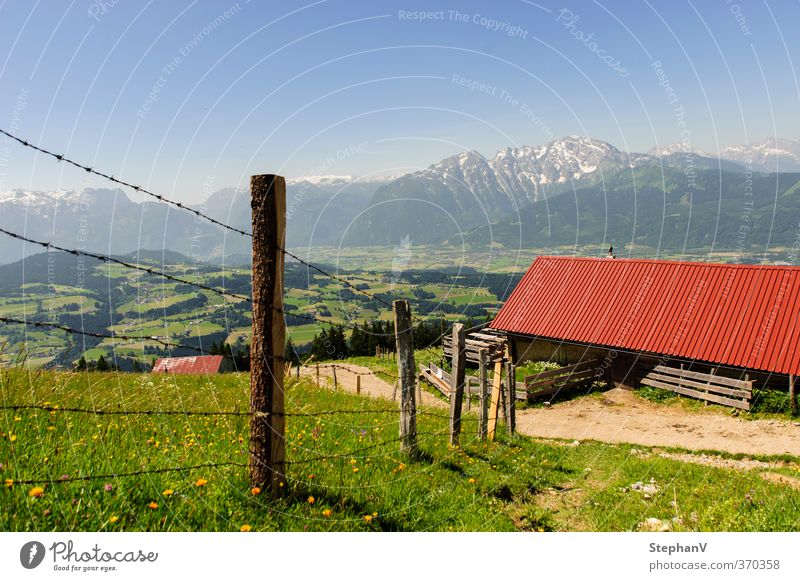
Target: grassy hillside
{"type": "Point", "coordinates": [364, 483]}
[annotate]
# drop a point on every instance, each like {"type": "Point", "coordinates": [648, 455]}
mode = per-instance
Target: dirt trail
{"type": "Point", "coordinates": [619, 416]}
{"type": "Point", "coordinates": [370, 384]}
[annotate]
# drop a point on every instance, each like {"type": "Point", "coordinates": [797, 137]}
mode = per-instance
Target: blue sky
{"type": "Point", "coordinates": [191, 97]}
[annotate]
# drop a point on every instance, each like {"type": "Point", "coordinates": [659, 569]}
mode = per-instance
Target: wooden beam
{"type": "Point", "coordinates": [707, 386]}
{"type": "Point", "coordinates": [683, 373]}
{"type": "Point", "coordinates": [497, 384]}
{"type": "Point", "coordinates": [563, 370]}
{"type": "Point", "coordinates": [407, 371]}
{"type": "Point", "coordinates": [736, 403]}
{"type": "Point", "coordinates": [457, 385]}
{"type": "Point", "coordinates": [511, 399]}
{"type": "Point", "coordinates": [484, 397]}
{"type": "Point", "coordinates": [267, 422]}
{"type": "Point", "coordinates": [533, 388]}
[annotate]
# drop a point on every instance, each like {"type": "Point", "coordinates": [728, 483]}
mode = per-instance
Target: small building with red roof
{"type": "Point", "coordinates": [200, 365]}
{"type": "Point", "coordinates": [684, 318]}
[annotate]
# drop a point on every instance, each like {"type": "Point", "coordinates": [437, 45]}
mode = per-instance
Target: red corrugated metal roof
{"type": "Point", "coordinates": [200, 365]}
{"type": "Point", "coordinates": [734, 315]}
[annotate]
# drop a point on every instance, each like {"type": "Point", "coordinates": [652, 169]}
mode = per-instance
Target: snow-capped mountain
{"type": "Point", "coordinates": [448, 197]}
{"type": "Point", "coordinates": [467, 189]}
{"type": "Point", "coordinates": [107, 221]}
{"type": "Point", "coordinates": [770, 155]}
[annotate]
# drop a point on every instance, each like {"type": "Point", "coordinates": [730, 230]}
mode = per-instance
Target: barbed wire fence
{"type": "Point", "coordinates": [114, 336]}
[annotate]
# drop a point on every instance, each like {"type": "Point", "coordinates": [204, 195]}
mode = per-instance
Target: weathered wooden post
{"type": "Point", "coordinates": [510, 397]}
{"type": "Point", "coordinates": [497, 386]}
{"type": "Point", "coordinates": [335, 383]}
{"type": "Point", "coordinates": [484, 397]}
{"type": "Point", "coordinates": [267, 421]}
{"type": "Point", "coordinates": [358, 384]}
{"type": "Point", "coordinates": [459, 361]}
{"type": "Point", "coordinates": [318, 384]}
{"type": "Point", "coordinates": [792, 395]}
{"type": "Point", "coordinates": [407, 370]}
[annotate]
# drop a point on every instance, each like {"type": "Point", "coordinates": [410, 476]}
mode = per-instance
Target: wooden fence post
{"type": "Point", "coordinates": [358, 384]}
{"type": "Point", "coordinates": [335, 382]}
{"type": "Point", "coordinates": [510, 403]}
{"type": "Point", "coordinates": [407, 370]}
{"type": "Point", "coordinates": [792, 395]}
{"type": "Point", "coordinates": [267, 420]}
{"type": "Point", "coordinates": [512, 397]}
{"type": "Point", "coordinates": [484, 398]}
{"type": "Point", "coordinates": [497, 386]}
{"type": "Point", "coordinates": [317, 374]}
{"type": "Point", "coordinates": [459, 361]}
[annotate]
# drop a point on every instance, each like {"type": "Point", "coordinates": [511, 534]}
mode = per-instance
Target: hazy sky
{"type": "Point", "coordinates": [190, 97]}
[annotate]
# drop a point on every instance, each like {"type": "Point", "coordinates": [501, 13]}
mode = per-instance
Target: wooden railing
{"type": "Point", "coordinates": [548, 383]}
{"type": "Point", "coordinates": [726, 391]}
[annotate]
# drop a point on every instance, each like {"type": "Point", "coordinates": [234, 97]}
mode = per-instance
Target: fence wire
{"type": "Point", "coordinates": [125, 337]}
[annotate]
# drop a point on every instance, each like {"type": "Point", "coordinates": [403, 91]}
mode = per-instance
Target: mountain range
{"type": "Point", "coordinates": [458, 198]}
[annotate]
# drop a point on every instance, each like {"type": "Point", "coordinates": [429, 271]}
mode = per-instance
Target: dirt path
{"type": "Point", "coordinates": [370, 384]}
{"type": "Point", "coordinates": [618, 416]}
{"type": "Point", "coordinates": [621, 416]}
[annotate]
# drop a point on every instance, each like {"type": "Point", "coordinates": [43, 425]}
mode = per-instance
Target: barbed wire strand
{"type": "Point", "coordinates": [72, 330]}
{"type": "Point", "coordinates": [152, 271]}
{"type": "Point", "coordinates": [111, 178]}
{"type": "Point", "coordinates": [100, 412]}
{"type": "Point", "coordinates": [196, 212]}
{"type": "Point", "coordinates": [127, 474]}
{"type": "Point", "coordinates": [108, 258]}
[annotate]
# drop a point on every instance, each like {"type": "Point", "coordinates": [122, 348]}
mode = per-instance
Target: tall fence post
{"type": "Point", "coordinates": [457, 386]}
{"type": "Point", "coordinates": [335, 382]}
{"type": "Point", "coordinates": [484, 397]}
{"type": "Point", "coordinates": [407, 370]}
{"type": "Point", "coordinates": [358, 384]}
{"type": "Point", "coordinates": [792, 395]}
{"type": "Point", "coordinates": [510, 399]}
{"type": "Point", "coordinates": [267, 420]}
{"type": "Point", "coordinates": [497, 387]}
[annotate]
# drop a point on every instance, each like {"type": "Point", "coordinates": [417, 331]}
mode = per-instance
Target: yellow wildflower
{"type": "Point", "coordinates": [201, 482]}
{"type": "Point", "coordinates": [368, 518]}
{"type": "Point", "coordinates": [9, 482]}
{"type": "Point", "coordinates": [311, 500]}
{"type": "Point", "coordinates": [327, 512]}
{"type": "Point", "coordinates": [36, 492]}
{"type": "Point", "coordinates": [153, 505]}
{"type": "Point", "coordinates": [12, 437]}
{"type": "Point", "coordinates": [471, 481]}
{"type": "Point", "coordinates": [245, 528]}
{"type": "Point", "coordinates": [255, 491]}
{"type": "Point", "coordinates": [113, 519]}
{"type": "Point", "coordinates": [168, 492]}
